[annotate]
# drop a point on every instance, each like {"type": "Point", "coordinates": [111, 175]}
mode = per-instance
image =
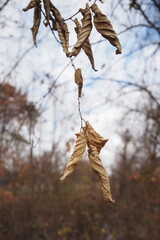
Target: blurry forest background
{"type": "Point", "coordinates": [39, 116]}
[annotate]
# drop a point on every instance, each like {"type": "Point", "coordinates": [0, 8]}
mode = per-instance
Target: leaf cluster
{"type": "Point", "coordinates": [83, 30]}
{"type": "Point", "coordinates": [89, 137]}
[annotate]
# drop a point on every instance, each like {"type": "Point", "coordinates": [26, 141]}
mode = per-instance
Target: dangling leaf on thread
{"type": "Point", "coordinates": [93, 137]}
{"type": "Point", "coordinates": [86, 45]}
{"type": "Point", "coordinates": [66, 33]}
{"type": "Point", "coordinates": [96, 165]}
{"type": "Point", "coordinates": [78, 152]}
{"type": "Point", "coordinates": [47, 10]}
{"type": "Point", "coordinates": [86, 138]}
{"type": "Point", "coordinates": [63, 36]}
{"type": "Point", "coordinates": [61, 27]}
{"type": "Point", "coordinates": [60, 20]}
{"type": "Point", "coordinates": [31, 4]}
{"type": "Point", "coordinates": [79, 80]}
{"type": "Point", "coordinates": [104, 27]}
{"type": "Point", "coordinates": [36, 23]}
{"type": "Point", "coordinates": [85, 31]}
{"type": "Point", "coordinates": [56, 13]}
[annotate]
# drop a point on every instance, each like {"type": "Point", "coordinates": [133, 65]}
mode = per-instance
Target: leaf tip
{"type": "Point", "coordinates": [61, 179]}
{"type": "Point", "coordinates": [109, 200]}
{"type": "Point", "coordinates": [118, 51]}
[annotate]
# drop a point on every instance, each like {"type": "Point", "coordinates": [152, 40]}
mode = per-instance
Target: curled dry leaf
{"type": "Point", "coordinates": [61, 27]}
{"type": "Point", "coordinates": [104, 27]}
{"type": "Point", "coordinates": [96, 164]}
{"type": "Point", "coordinates": [86, 45]}
{"type": "Point", "coordinates": [66, 33]}
{"type": "Point", "coordinates": [79, 80]}
{"type": "Point", "coordinates": [31, 4]}
{"type": "Point", "coordinates": [78, 152]}
{"type": "Point", "coordinates": [93, 137]}
{"type": "Point", "coordinates": [47, 10]}
{"type": "Point", "coordinates": [56, 13]}
{"type": "Point", "coordinates": [85, 31]}
{"type": "Point", "coordinates": [63, 36]}
{"type": "Point", "coordinates": [36, 23]}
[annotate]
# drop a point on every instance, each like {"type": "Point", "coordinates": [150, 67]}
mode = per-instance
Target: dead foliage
{"type": "Point", "coordinates": [79, 81]}
{"type": "Point", "coordinates": [95, 142]}
{"type": "Point", "coordinates": [88, 136]}
{"type": "Point", "coordinates": [104, 27]}
{"type": "Point", "coordinates": [55, 21]}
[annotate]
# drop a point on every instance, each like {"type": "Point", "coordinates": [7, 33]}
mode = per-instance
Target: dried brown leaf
{"type": "Point", "coordinates": [93, 137]}
{"type": "Point", "coordinates": [36, 22]}
{"type": "Point", "coordinates": [47, 10]}
{"type": "Point", "coordinates": [79, 80]}
{"type": "Point", "coordinates": [104, 27]}
{"type": "Point", "coordinates": [85, 31]}
{"type": "Point", "coordinates": [31, 4]}
{"type": "Point", "coordinates": [66, 34]}
{"type": "Point", "coordinates": [86, 45]}
{"type": "Point", "coordinates": [63, 36]}
{"type": "Point", "coordinates": [61, 27]}
{"type": "Point", "coordinates": [96, 165]}
{"type": "Point", "coordinates": [56, 13]}
{"type": "Point", "coordinates": [78, 152]}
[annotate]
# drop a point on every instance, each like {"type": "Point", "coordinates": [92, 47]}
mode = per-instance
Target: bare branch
{"type": "Point", "coordinates": [4, 4]}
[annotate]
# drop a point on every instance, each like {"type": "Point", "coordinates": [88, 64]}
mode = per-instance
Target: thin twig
{"type": "Point", "coordinates": [72, 63]}
{"type": "Point", "coordinates": [4, 4]}
{"type": "Point", "coordinates": [39, 5]}
{"type": "Point", "coordinates": [52, 86]}
{"type": "Point", "coordinates": [80, 113]}
{"type": "Point", "coordinates": [20, 59]}
{"type": "Point", "coordinates": [146, 17]}
{"type": "Point", "coordinates": [70, 18]}
{"type": "Point", "coordinates": [94, 2]}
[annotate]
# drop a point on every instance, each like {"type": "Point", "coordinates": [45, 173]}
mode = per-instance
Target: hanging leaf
{"type": "Point", "coordinates": [104, 27]}
{"type": "Point", "coordinates": [93, 137]}
{"type": "Point", "coordinates": [36, 23]}
{"type": "Point", "coordinates": [63, 36]}
{"type": "Point", "coordinates": [47, 10]}
{"type": "Point", "coordinates": [78, 152]}
{"type": "Point", "coordinates": [61, 27]}
{"type": "Point", "coordinates": [96, 165]}
{"type": "Point", "coordinates": [56, 13]}
{"type": "Point", "coordinates": [66, 36]}
{"type": "Point", "coordinates": [31, 4]}
{"type": "Point", "coordinates": [86, 45]}
{"type": "Point", "coordinates": [79, 80]}
{"type": "Point", "coordinates": [85, 31]}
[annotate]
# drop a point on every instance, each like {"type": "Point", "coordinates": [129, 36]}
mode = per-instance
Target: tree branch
{"type": "Point", "coordinates": [4, 4]}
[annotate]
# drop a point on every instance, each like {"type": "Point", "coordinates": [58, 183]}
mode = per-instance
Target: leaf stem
{"type": "Point", "coordinates": [80, 113]}
{"type": "Point", "coordinates": [39, 5]}
{"type": "Point", "coordinates": [70, 18]}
